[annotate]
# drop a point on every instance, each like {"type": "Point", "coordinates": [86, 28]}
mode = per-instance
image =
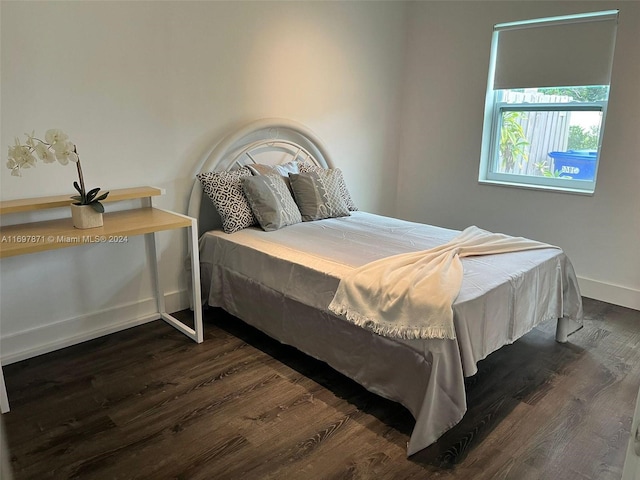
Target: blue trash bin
{"type": "Point", "coordinates": [576, 164]}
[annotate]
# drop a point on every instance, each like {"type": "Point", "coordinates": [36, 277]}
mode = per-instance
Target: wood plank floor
{"type": "Point", "coordinates": [149, 403]}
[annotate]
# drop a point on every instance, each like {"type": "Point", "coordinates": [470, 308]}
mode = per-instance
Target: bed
{"type": "Point", "coordinates": [282, 282]}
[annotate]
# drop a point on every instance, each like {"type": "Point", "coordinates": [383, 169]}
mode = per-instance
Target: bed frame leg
{"type": "Point", "coordinates": [562, 330]}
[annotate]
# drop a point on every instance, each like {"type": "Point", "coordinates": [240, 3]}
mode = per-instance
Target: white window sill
{"type": "Point", "coordinates": [529, 186]}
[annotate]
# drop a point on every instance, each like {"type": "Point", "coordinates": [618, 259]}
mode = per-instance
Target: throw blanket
{"type": "Point", "coordinates": [411, 295]}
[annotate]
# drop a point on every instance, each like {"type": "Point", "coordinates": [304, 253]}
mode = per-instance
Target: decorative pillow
{"type": "Point", "coordinates": [283, 169]}
{"type": "Point", "coordinates": [318, 195]}
{"type": "Point", "coordinates": [270, 201]}
{"type": "Point", "coordinates": [225, 191]}
{"type": "Point", "coordinates": [307, 167]}
{"type": "Point", "coordinates": [260, 168]}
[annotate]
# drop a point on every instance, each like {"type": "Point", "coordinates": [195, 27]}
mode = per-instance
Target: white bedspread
{"type": "Point", "coordinates": [282, 282]}
{"type": "Point", "coordinates": [411, 295]}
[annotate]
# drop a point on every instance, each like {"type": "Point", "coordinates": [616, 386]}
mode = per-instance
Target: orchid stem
{"type": "Point", "coordinates": [83, 193]}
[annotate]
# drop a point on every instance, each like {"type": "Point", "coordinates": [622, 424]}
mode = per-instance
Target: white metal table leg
{"type": "Point", "coordinates": [4, 400]}
{"type": "Point", "coordinates": [155, 270]}
{"type": "Point", "coordinates": [194, 254]}
{"type": "Point", "coordinates": [195, 333]}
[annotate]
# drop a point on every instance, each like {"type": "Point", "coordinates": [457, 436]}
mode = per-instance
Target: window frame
{"type": "Point", "coordinates": [494, 107]}
{"type": "Point", "coordinates": [488, 173]}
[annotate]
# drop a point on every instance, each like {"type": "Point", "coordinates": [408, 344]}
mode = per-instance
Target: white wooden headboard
{"type": "Point", "coordinates": [271, 141]}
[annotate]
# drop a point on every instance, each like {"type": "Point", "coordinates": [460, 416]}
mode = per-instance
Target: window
{"type": "Point", "coordinates": [546, 102]}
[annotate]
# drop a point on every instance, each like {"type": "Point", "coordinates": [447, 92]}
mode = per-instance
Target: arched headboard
{"type": "Point", "coordinates": [269, 140]}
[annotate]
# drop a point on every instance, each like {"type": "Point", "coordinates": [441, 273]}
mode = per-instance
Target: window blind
{"type": "Point", "coordinates": [574, 50]}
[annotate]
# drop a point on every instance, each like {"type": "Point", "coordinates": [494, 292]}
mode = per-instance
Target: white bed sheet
{"type": "Point", "coordinates": [282, 282]}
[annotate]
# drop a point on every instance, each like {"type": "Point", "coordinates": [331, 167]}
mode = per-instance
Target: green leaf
{"type": "Point", "coordinates": [91, 194]}
{"type": "Point", "coordinates": [75, 184]}
{"type": "Point", "coordinates": [102, 197]}
{"type": "Point", "coordinates": [97, 206]}
{"type": "Point", "coordinates": [77, 198]}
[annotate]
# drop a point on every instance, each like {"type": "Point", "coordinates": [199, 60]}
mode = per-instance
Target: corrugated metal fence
{"type": "Point", "coordinates": [545, 131]}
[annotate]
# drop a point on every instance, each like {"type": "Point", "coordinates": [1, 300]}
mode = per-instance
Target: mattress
{"type": "Point", "coordinates": [283, 281]}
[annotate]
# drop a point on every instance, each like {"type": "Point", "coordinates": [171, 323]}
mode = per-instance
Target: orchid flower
{"type": "Point", "coordinates": [56, 146]}
{"type": "Point", "coordinates": [44, 153]}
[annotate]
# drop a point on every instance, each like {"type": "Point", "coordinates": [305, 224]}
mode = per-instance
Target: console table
{"type": "Point", "coordinates": [146, 220]}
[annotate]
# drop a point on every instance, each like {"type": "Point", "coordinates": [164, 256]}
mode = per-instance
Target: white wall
{"type": "Point", "coordinates": [145, 89]}
{"type": "Point", "coordinates": [396, 90]}
{"type": "Point", "coordinates": [441, 127]}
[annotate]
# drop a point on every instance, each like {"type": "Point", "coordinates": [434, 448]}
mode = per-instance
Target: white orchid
{"type": "Point", "coordinates": [44, 153]}
{"type": "Point", "coordinates": [14, 167]}
{"type": "Point", "coordinates": [31, 139]}
{"type": "Point", "coordinates": [54, 136]}
{"type": "Point", "coordinates": [65, 151]}
{"type": "Point", "coordinates": [20, 156]}
{"type": "Point", "coordinates": [56, 146]}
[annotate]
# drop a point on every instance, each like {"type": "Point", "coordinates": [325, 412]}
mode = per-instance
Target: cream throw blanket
{"type": "Point", "coordinates": [411, 295]}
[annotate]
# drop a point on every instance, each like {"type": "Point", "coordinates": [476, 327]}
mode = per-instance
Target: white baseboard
{"type": "Point", "coordinates": [64, 333]}
{"type": "Point", "coordinates": [47, 338]}
{"type": "Point", "coordinates": [606, 292]}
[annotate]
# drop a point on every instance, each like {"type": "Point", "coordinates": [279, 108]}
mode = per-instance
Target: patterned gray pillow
{"type": "Point", "coordinates": [225, 191]}
{"type": "Point", "coordinates": [318, 195]}
{"type": "Point", "coordinates": [270, 201]}
{"type": "Point", "coordinates": [344, 191]}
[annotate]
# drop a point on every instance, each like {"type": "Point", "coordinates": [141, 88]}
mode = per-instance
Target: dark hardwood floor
{"type": "Point", "coordinates": [149, 403]}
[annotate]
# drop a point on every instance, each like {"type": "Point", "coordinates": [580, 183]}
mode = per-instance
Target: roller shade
{"type": "Point", "coordinates": [567, 51]}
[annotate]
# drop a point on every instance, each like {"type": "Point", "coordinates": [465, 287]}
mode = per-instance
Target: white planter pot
{"type": "Point", "coordinates": [84, 216]}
